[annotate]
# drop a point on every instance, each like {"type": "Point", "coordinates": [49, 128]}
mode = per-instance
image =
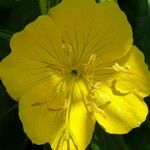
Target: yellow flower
{"type": "Point", "coordinates": [73, 67]}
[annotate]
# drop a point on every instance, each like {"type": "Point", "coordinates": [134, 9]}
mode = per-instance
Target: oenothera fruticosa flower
{"type": "Point", "coordinates": [73, 67]}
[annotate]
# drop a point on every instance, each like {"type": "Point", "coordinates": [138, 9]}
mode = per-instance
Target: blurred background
{"type": "Point", "coordinates": [14, 16]}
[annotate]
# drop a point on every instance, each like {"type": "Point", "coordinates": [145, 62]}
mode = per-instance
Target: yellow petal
{"type": "Point", "coordinates": [81, 121]}
{"type": "Point", "coordinates": [101, 29]}
{"type": "Point", "coordinates": [46, 122]}
{"type": "Point", "coordinates": [33, 50]}
{"type": "Point", "coordinates": [81, 126]}
{"type": "Point", "coordinates": [38, 40]}
{"type": "Point", "coordinates": [122, 114]}
{"type": "Point", "coordinates": [19, 74]}
{"type": "Point", "coordinates": [136, 78]}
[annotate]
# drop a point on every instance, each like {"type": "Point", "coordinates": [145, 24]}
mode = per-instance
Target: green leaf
{"type": "Point", "coordinates": [7, 105]}
{"type": "Point", "coordinates": [11, 133]}
{"type": "Point", "coordinates": [22, 13]}
{"type": "Point", "coordinates": [99, 1]}
{"type": "Point", "coordinates": [6, 3]}
{"type": "Point", "coordinates": [12, 136]}
{"type": "Point", "coordinates": [104, 141]}
{"type": "Point", "coordinates": [138, 13]}
{"type": "Point", "coordinates": [5, 34]}
{"type": "Point", "coordinates": [138, 139]}
{"type": "Point", "coordinates": [4, 47]}
{"type": "Point", "coordinates": [45, 5]}
{"type": "Point", "coordinates": [46, 146]}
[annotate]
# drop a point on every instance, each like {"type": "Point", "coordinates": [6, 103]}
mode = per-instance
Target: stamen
{"type": "Point", "coordinates": [95, 86]}
{"type": "Point", "coordinates": [93, 108]}
{"type": "Point", "coordinates": [89, 68]}
{"type": "Point", "coordinates": [57, 109]}
{"type": "Point", "coordinates": [101, 100]}
{"type": "Point", "coordinates": [36, 104]}
{"type": "Point", "coordinates": [97, 101]}
{"type": "Point", "coordinates": [90, 62]}
{"type": "Point", "coordinates": [60, 108]}
{"type": "Point", "coordinates": [68, 54]}
{"type": "Point", "coordinates": [67, 48]}
{"type": "Point", "coordinates": [65, 135]}
{"type": "Point", "coordinates": [118, 68]}
{"type": "Point", "coordinates": [57, 69]}
{"type": "Point", "coordinates": [138, 92]}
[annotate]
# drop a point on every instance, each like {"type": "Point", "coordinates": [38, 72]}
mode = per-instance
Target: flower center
{"type": "Point", "coordinates": [74, 72]}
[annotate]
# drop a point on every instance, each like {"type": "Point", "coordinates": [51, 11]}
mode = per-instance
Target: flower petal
{"type": "Point", "coordinates": [137, 77]}
{"type": "Point", "coordinates": [47, 123]}
{"type": "Point", "coordinates": [33, 50]}
{"type": "Point", "coordinates": [38, 122]}
{"type": "Point", "coordinates": [122, 114]}
{"type": "Point", "coordinates": [94, 30]}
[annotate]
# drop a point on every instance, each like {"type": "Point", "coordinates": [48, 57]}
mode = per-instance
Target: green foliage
{"type": "Point", "coordinates": [46, 4]}
{"type": "Point", "coordinates": [6, 3]}
{"type": "Point", "coordinates": [138, 13]}
{"type": "Point", "coordinates": [104, 141]}
{"type": "Point", "coordinates": [11, 134]}
{"type": "Point", "coordinates": [14, 15]}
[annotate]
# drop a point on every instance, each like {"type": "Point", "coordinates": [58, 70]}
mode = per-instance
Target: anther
{"type": "Point", "coordinates": [57, 109]}
{"type": "Point", "coordinates": [89, 68]}
{"type": "Point", "coordinates": [67, 48]}
{"type": "Point", "coordinates": [92, 59]}
{"type": "Point", "coordinates": [93, 108]}
{"type": "Point", "coordinates": [90, 62]}
{"type": "Point", "coordinates": [118, 68]}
